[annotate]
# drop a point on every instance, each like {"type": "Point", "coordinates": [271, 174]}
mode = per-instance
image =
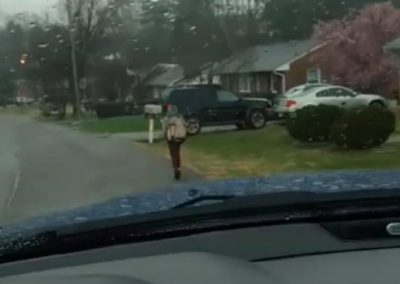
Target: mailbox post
{"type": "Point", "coordinates": [152, 112]}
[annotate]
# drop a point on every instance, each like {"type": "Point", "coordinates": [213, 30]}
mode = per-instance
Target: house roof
{"type": "Point", "coordinates": [263, 58]}
{"type": "Point", "coordinates": [164, 75]}
{"type": "Point", "coordinates": [393, 46]}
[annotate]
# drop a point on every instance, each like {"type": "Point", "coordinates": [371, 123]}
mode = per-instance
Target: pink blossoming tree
{"type": "Point", "coordinates": [354, 53]}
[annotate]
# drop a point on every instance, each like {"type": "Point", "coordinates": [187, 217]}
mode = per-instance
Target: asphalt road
{"type": "Point", "coordinates": [46, 167]}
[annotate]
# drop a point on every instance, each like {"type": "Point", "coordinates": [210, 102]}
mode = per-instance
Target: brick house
{"type": "Point", "coordinates": [393, 48]}
{"type": "Point", "coordinates": [267, 70]}
{"type": "Point", "coordinates": [151, 84]}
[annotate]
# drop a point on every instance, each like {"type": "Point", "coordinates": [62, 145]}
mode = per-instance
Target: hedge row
{"type": "Point", "coordinates": [114, 109]}
{"type": "Point", "coordinates": [360, 128]}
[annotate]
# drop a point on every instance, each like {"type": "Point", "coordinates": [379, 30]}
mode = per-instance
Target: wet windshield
{"type": "Point", "coordinates": [87, 122]}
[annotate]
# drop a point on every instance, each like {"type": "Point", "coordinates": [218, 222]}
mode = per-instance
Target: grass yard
{"type": "Point", "coordinates": [268, 151]}
{"type": "Point", "coordinates": [117, 125]}
{"type": "Point", "coordinates": [31, 110]}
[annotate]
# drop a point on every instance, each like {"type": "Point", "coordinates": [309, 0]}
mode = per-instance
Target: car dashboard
{"type": "Point", "coordinates": [291, 253]}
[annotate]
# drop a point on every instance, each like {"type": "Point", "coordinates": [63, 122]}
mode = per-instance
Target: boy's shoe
{"type": "Point", "coordinates": [178, 175]}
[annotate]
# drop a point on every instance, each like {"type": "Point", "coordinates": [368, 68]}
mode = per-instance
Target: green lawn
{"type": "Point", "coordinates": [117, 125]}
{"type": "Point", "coordinates": [31, 110]}
{"type": "Point", "coordinates": [255, 153]}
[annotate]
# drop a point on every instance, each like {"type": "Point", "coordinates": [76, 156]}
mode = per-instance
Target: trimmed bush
{"type": "Point", "coordinates": [312, 123]}
{"type": "Point", "coordinates": [363, 128]}
{"type": "Point", "coordinates": [114, 109]}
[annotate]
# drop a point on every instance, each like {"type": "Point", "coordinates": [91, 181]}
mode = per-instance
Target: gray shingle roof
{"type": "Point", "coordinates": [393, 46]}
{"type": "Point", "coordinates": [263, 58]}
{"type": "Point", "coordinates": [165, 75]}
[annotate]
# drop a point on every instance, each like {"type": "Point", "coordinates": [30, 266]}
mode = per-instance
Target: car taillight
{"type": "Point", "coordinates": [291, 103]}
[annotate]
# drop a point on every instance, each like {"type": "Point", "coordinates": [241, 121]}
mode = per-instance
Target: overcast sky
{"type": "Point", "coordinates": [34, 6]}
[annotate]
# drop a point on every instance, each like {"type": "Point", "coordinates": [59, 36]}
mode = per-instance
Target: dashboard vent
{"type": "Point", "coordinates": [358, 230]}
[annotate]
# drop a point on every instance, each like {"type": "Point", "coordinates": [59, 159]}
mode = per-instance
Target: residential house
{"type": "Point", "coordinates": [205, 76]}
{"type": "Point", "coordinates": [394, 48]}
{"type": "Point", "coordinates": [158, 79]}
{"type": "Point", "coordinates": [25, 89]}
{"type": "Point", "coordinates": [237, 7]}
{"type": "Point", "coordinates": [267, 70]}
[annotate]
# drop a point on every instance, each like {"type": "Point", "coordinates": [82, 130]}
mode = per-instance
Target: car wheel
{"type": "Point", "coordinates": [193, 125]}
{"type": "Point", "coordinates": [257, 119]}
{"type": "Point", "coordinates": [377, 104]}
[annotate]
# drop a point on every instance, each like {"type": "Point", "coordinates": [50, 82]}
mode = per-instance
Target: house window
{"type": "Point", "coordinates": [258, 83]}
{"type": "Point", "coordinates": [225, 82]}
{"type": "Point", "coordinates": [244, 83]}
{"type": "Point", "coordinates": [216, 80]}
{"type": "Point", "coordinates": [274, 84]}
{"type": "Point", "coordinates": [313, 75]}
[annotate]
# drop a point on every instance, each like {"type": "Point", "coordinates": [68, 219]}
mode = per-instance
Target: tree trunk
{"type": "Point", "coordinates": [77, 101]}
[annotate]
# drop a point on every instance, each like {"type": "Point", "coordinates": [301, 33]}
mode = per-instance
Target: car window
{"type": "Point", "coordinates": [313, 86]}
{"type": "Point", "coordinates": [225, 96]}
{"type": "Point", "coordinates": [341, 92]}
{"type": "Point", "coordinates": [326, 93]}
{"type": "Point", "coordinates": [187, 98]}
{"type": "Point", "coordinates": [293, 90]}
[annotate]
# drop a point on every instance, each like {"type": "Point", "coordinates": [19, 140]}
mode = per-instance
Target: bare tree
{"type": "Point", "coordinates": [87, 20]}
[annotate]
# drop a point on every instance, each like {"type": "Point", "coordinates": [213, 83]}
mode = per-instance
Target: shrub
{"type": "Point", "coordinates": [363, 128]}
{"type": "Point", "coordinates": [312, 123]}
{"type": "Point", "coordinates": [113, 109]}
{"type": "Point", "coordinates": [45, 110]}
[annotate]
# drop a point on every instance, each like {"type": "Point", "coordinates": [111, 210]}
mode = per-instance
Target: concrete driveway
{"type": "Point", "coordinates": [45, 167]}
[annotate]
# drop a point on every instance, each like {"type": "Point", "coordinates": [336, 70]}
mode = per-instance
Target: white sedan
{"type": "Point", "coordinates": [328, 95]}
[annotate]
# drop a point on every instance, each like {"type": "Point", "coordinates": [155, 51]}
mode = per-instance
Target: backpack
{"type": "Point", "coordinates": [176, 128]}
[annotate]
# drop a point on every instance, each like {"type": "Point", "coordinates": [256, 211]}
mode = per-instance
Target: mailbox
{"type": "Point", "coordinates": [152, 111]}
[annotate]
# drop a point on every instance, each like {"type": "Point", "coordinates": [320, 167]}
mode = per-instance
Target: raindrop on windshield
{"type": "Point", "coordinates": [193, 193]}
{"type": "Point", "coordinates": [43, 45]}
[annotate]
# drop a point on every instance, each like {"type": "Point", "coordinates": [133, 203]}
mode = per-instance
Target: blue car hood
{"type": "Point", "coordinates": [167, 198]}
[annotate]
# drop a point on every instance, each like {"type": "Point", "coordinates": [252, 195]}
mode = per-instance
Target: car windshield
{"type": "Point", "coordinates": [303, 92]}
{"type": "Point", "coordinates": [299, 90]}
{"type": "Point", "coordinates": [111, 108]}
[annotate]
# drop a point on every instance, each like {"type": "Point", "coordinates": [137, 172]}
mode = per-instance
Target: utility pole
{"type": "Point", "coordinates": [71, 31]}
{"type": "Point", "coordinates": [76, 83]}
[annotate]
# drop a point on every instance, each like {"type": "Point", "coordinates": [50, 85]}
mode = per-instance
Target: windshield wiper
{"type": "Point", "coordinates": [227, 213]}
{"type": "Point", "coordinates": [209, 199]}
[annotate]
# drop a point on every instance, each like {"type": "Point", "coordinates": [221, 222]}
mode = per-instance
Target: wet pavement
{"type": "Point", "coordinates": [45, 167]}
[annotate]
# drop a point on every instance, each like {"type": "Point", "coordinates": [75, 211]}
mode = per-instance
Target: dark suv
{"type": "Point", "coordinates": [212, 105]}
